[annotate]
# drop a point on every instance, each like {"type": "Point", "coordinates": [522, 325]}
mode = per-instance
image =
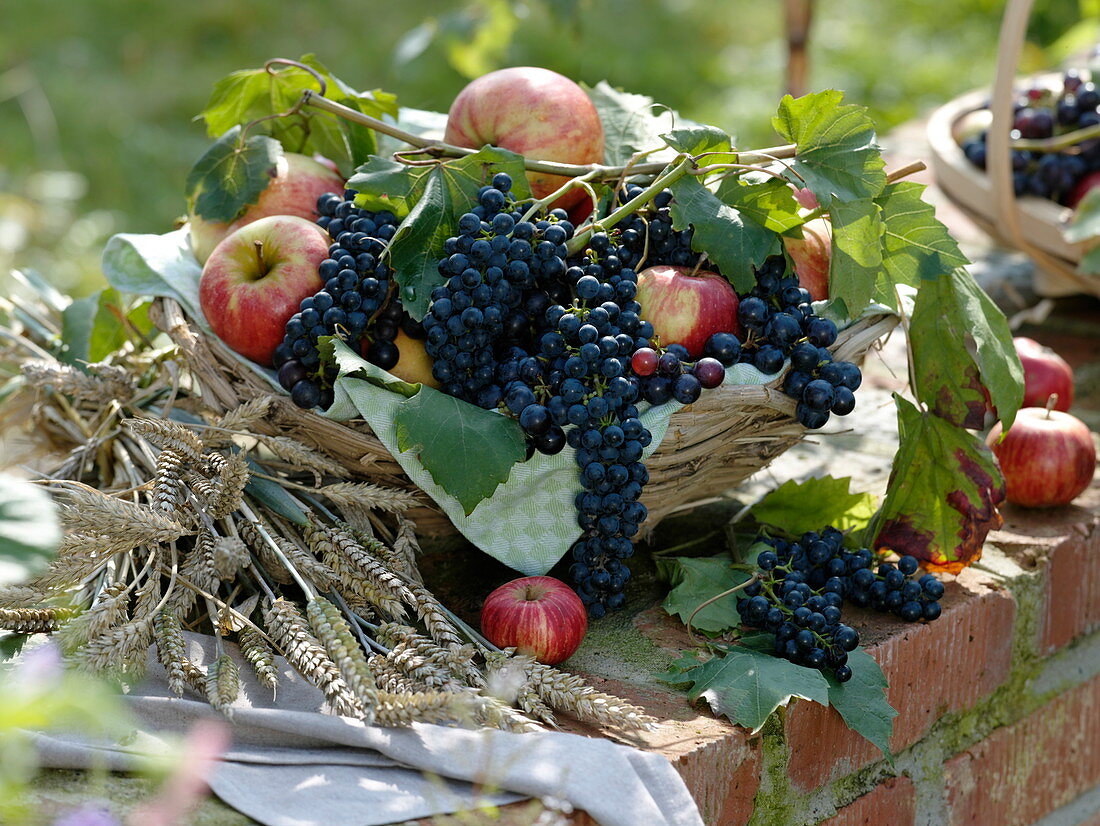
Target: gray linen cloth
{"type": "Point", "coordinates": [294, 763]}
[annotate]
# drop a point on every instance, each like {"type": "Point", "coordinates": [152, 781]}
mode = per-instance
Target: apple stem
{"type": "Point", "coordinates": [258, 246]}
{"type": "Point", "coordinates": [1052, 400]}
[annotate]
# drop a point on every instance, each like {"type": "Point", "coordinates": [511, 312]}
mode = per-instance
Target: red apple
{"type": "Point", "coordinates": [539, 615]}
{"type": "Point", "coordinates": [535, 112]}
{"type": "Point", "coordinates": [1081, 189]}
{"type": "Point", "coordinates": [1048, 457]}
{"type": "Point", "coordinates": [687, 309]}
{"type": "Point", "coordinates": [811, 254]}
{"type": "Point", "coordinates": [1045, 374]}
{"type": "Point", "coordinates": [255, 279]}
{"type": "Point", "coordinates": [293, 190]}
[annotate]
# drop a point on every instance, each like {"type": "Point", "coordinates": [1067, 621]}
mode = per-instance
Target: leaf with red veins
{"type": "Point", "coordinates": [942, 497]}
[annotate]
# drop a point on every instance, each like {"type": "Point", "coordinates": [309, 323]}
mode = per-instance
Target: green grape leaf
{"type": "Point", "coordinates": [942, 495]}
{"type": "Point", "coordinates": [1085, 223]}
{"type": "Point", "coordinates": [450, 190]}
{"type": "Point", "coordinates": [733, 242]}
{"type": "Point", "coordinates": [916, 246]}
{"type": "Point", "coordinates": [862, 700]}
{"type": "Point", "coordinates": [857, 253]}
{"type": "Point", "coordinates": [384, 184]}
{"type": "Point", "coordinates": [232, 174]}
{"type": "Point", "coordinates": [631, 123]}
{"type": "Point", "coordinates": [155, 265]}
{"type": "Point", "coordinates": [250, 94]}
{"type": "Point", "coordinates": [29, 529]}
{"type": "Point", "coordinates": [797, 507]}
{"type": "Point", "coordinates": [710, 141]}
{"type": "Point", "coordinates": [837, 156]}
{"type": "Point", "coordinates": [1090, 262]}
{"type": "Point", "coordinates": [747, 685]}
{"type": "Point", "coordinates": [93, 327]}
{"type": "Point", "coordinates": [948, 376]}
{"type": "Point", "coordinates": [467, 450]}
{"type": "Point", "coordinates": [11, 645]}
{"type": "Point", "coordinates": [694, 580]}
{"type": "Point", "coordinates": [770, 203]}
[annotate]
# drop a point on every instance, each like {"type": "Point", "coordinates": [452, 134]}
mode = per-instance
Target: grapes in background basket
{"type": "Point", "coordinates": [356, 284]}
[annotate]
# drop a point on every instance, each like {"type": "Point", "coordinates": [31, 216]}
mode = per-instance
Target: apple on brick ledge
{"type": "Point", "coordinates": [255, 279]}
{"type": "Point", "coordinates": [1047, 457]}
{"type": "Point", "coordinates": [535, 112]}
{"type": "Point", "coordinates": [687, 307]}
{"type": "Point", "coordinates": [298, 181]}
{"type": "Point", "coordinates": [539, 615]}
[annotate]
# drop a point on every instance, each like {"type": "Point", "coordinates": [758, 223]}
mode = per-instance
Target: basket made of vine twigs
{"type": "Point", "coordinates": [710, 446]}
{"type": "Point", "coordinates": [1029, 224]}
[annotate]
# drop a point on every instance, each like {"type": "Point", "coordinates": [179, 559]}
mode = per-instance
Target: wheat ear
{"type": "Point", "coordinates": [291, 631]}
{"type": "Point", "coordinates": [223, 684]}
{"type": "Point", "coordinates": [336, 635]}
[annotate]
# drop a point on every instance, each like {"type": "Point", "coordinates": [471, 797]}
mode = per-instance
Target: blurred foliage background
{"type": "Point", "coordinates": [98, 97]}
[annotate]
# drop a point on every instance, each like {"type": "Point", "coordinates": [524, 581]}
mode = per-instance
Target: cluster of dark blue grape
{"type": "Point", "coordinates": [803, 584]}
{"type": "Point", "coordinates": [649, 232]}
{"type": "Point", "coordinates": [779, 322]}
{"type": "Point", "coordinates": [480, 312]}
{"type": "Point", "coordinates": [356, 284]}
{"type": "Point", "coordinates": [580, 378]}
{"type": "Point", "coordinates": [1042, 113]}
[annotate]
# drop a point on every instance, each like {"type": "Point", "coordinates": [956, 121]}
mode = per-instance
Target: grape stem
{"type": "Point", "coordinates": [715, 598]}
{"type": "Point", "coordinates": [1058, 142]}
{"type": "Point", "coordinates": [569, 170]}
{"type": "Point", "coordinates": [673, 172]}
{"type": "Point", "coordinates": [572, 183]}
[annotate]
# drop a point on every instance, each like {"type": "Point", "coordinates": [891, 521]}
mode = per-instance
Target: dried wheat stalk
{"type": "Point", "coordinates": [238, 419]}
{"type": "Point", "coordinates": [229, 556]}
{"type": "Point", "coordinates": [232, 476]}
{"type": "Point", "coordinates": [21, 596]}
{"type": "Point", "coordinates": [168, 435]}
{"type": "Point", "coordinates": [301, 456]}
{"type": "Point", "coordinates": [171, 649]}
{"type": "Point", "coordinates": [32, 620]}
{"type": "Point", "coordinates": [259, 655]}
{"type": "Point", "coordinates": [330, 543]}
{"type": "Point", "coordinates": [168, 483]}
{"type": "Point", "coordinates": [223, 684]}
{"type": "Point", "coordinates": [568, 692]}
{"type": "Point", "coordinates": [76, 383]}
{"type": "Point", "coordinates": [90, 512]}
{"type": "Point", "coordinates": [291, 631]}
{"type": "Point", "coordinates": [334, 633]}
{"type": "Point", "coordinates": [366, 495]}
{"type": "Point", "coordinates": [403, 709]}
{"type": "Point", "coordinates": [457, 659]}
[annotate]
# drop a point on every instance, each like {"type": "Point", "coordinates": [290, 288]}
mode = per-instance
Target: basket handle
{"type": "Point", "coordinates": [999, 165]}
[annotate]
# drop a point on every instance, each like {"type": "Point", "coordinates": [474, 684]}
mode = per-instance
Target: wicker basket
{"type": "Point", "coordinates": [1031, 225]}
{"type": "Point", "coordinates": [710, 446]}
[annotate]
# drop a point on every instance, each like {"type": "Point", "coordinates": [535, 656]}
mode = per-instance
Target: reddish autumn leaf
{"type": "Point", "coordinates": [941, 501]}
{"type": "Point", "coordinates": [963, 357]}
